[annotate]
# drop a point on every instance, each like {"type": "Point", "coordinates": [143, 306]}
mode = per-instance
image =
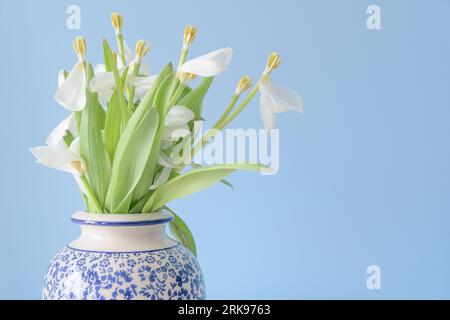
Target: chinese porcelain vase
{"type": "Point", "coordinates": [123, 256]}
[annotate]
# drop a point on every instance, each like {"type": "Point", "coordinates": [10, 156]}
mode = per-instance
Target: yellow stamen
{"type": "Point", "coordinates": [141, 49]}
{"type": "Point", "coordinates": [185, 77]}
{"type": "Point", "coordinates": [244, 84]}
{"type": "Point", "coordinates": [77, 166]}
{"type": "Point", "coordinates": [117, 21]}
{"type": "Point", "coordinates": [189, 36]}
{"type": "Point", "coordinates": [273, 62]}
{"type": "Point", "coordinates": [79, 45]}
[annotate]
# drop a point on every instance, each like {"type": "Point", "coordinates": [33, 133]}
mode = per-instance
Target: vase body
{"type": "Point", "coordinates": [123, 257]}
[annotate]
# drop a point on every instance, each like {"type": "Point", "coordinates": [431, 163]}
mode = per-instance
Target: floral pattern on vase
{"type": "Point", "coordinates": [168, 274]}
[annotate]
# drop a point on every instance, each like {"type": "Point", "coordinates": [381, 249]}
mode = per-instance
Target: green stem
{"type": "Point", "coordinates": [239, 109]}
{"type": "Point", "coordinates": [199, 145]}
{"type": "Point", "coordinates": [132, 89]}
{"type": "Point", "coordinates": [91, 194]}
{"type": "Point", "coordinates": [183, 56]}
{"type": "Point", "coordinates": [78, 119]}
{"type": "Point", "coordinates": [120, 45]}
{"type": "Point", "coordinates": [227, 111]}
{"type": "Point", "coordinates": [222, 123]}
{"type": "Point", "coordinates": [176, 95]}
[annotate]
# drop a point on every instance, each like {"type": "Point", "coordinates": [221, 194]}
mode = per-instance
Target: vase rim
{"type": "Point", "coordinates": [119, 220]}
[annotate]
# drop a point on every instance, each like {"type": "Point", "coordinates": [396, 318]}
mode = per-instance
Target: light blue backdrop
{"type": "Point", "coordinates": [365, 171]}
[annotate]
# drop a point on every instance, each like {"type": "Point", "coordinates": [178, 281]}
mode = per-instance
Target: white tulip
{"type": "Point", "coordinates": [208, 65]}
{"type": "Point", "coordinates": [175, 125]}
{"type": "Point", "coordinates": [104, 83]}
{"type": "Point", "coordinates": [56, 155]}
{"type": "Point", "coordinates": [71, 92]}
{"type": "Point", "coordinates": [57, 158]}
{"type": "Point", "coordinates": [275, 99]}
{"type": "Point", "coordinates": [56, 137]}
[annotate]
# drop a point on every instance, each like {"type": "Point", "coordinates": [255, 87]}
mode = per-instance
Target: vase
{"type": "Point", "coordinates": [123, 257]}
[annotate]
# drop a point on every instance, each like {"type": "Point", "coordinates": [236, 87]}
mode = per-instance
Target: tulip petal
{"type": "Point", "coordinates": [144, 82]}
{"type": "Point", "coordinates": [102, 81]}
{"type": "Point", "coordinates": [55, 158]}
{"type": "Point", "coordinates": [99, 68]}
{"type": "Point", "coordinates": [72, 92]}
{"type": "Point", "coordinates": [165, 160]}
{"type": "Point", "coordinates": [265, 105]}
{"type": "Point", "coordinates": [267, 116]}
{"type": "Point", "coordinates": [61, 77]}
{"type": "Point", "coordinates": [178, 115]}
{"type": "Point", "coordinates": [80, 183]}
{"type": "Point", "coordinates": [282, 99]}
{"type": "Point", "coordinates": [56, 137]}
{"type": "Point", "coordinates": [210, 64]}
{"type": "Point", "coordinates": [161, 178]}
{"type": "Point", "coordinates": [165, 144]}
{"type": "Point", "coordinates": [75, 146]}
{"type": "Point", "coordinates": [144, 69]}
{"type": "Point", "coordinates": [175, 133]}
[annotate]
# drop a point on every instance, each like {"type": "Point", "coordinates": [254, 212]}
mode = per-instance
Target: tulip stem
{"type": "Point", "coordinates": [227, 111]}
{"type": "Point", "coordinates": [176, 95]}
{"type": "Point", "coordinates": [91, 194]}
{"type": "Point", "coordinates": [239, 109]}
{"type": "Point", "coordinates": [183, 56]}
{"type": "Point", "coordinates": [120, 45]}
{"type": "Point", "coordinates": [222, 123]}
{"type": "Point", "coordinates": [132, 89]}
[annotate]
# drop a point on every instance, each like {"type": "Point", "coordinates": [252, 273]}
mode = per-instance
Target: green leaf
{"type": "Point", "coordinates": [193, 181]}
{"type": "Point", "coordinates": [138, 205]}
{"type": "Point", "coordinates": [107, 57]}
{"type": "Point", "coordinates": [111, 64]}
{"type": "Point", "coordinates": [161, 98]}
{"type": "Point", "coordinates": [164, 94]}
{"type": "Point", "coordinates": [115, 121]}
{"type": "Point", "coordinates": [181, 233]}
{"type": "Point", "coordinates": [113, 124]}
{"type": "Point", "coordinates": [151, 95]}
{"type": "Point", "coordinates": [194, 99]}
{"type": "Point", "coordinates": [133, 150]}
{"type": "Point", "coordinates": [224, 181]}
{"type": "Point", "coordinates": [92, 149]}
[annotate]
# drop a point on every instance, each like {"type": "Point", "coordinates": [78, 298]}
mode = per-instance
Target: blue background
{"type": "Point", "coordinates": [365, 172]}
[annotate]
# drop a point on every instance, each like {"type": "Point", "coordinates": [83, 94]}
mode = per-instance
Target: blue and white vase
{"type": "Point", "coordinates": [123, 256]}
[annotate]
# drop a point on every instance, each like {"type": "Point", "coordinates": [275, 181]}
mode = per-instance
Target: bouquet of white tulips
{"type": "Point", "coordinates": [125, 125]}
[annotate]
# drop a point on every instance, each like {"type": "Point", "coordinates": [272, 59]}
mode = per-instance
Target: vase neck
{"type": "Point", "coordinates": [122, 233]}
